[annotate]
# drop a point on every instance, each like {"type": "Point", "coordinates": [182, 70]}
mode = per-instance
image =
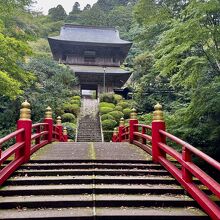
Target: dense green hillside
{"type": "Point", "coordinates": [175, 57]}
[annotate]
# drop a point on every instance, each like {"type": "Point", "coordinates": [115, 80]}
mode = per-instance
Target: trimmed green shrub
{"type": "Point", "coordinates": [107, 97]}
{"type": "Point", "coordinates": [107, 116]}
{"type": "Point", "coordinates": [71, 129]}
{"type": "Point", "coordinates": [117, 115]}
{"type": "Point", "coordinates": [71, 108]}
{"type": "Point", "coordinates": [105, 110]}
{"type": "Point", "coordinates": [109, 124]}
{"type": "Point", "coordinates": [59, 111]}
{"type": "Point", "coordinates": [118, 108]}
{"type": "Point", "coordinates": [124, 104]}
{"type": "Point", "coordinates": [146, 118]}
{"type": "Point", "coordinates": [76, 97]}
{"type": "Point", "coordinates": [108, 135]}
{"type": "Point", "coordinates": [106, 104]}
{"type": "Point", "coordinates": [127, 112]}
{"type": "Point", "coordinates": [68, 117]}
{"type": "Point", "coordinates": [75, 102]}
{"type": "Point", "coordinates": [117, 98]}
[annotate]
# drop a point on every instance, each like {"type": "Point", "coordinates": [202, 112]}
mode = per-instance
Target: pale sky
{"type": "Point", "coordinates": [45, 5]}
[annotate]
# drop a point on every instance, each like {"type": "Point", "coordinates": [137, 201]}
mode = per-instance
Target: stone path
{"type": "Point", "coordinates": [89, 107]}
{"type": "Point", "coordinates": [91, 151]}
{"type": "Point", "coordinates": [89, 128]}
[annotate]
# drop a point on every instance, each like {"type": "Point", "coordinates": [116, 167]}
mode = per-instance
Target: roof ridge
{"type": "Point", "coordinates": [89, 26]}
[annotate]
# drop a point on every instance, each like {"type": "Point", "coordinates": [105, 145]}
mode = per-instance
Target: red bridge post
{"type": "Point", "coordinates": [120, 129]}
{"type": "Point", "coordinates": [26, 123]}
{"type": "Point", "coordinates": [60, 127]}
{"type": "Point", "coordinates": [65, 135]}
{"type": "Point", "coordinates": [49, 120]}
{"type": "Point", "coordinates": [186, 155]}
{"type": "Point", "coordinates": [157, 124]}
{"type": "Point", "coordinates": [115, 135]}
{"type": "Point", "coordinates": [133, 120]}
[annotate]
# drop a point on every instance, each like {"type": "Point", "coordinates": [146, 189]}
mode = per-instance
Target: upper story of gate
{"type": "Point", "coordinates": [89, 45]}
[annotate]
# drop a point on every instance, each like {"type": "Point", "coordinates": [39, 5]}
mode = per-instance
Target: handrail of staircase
{"type": "Point", "coordinates": [28, 139]}
{"type": "Point", "coordinates": [152, 139]}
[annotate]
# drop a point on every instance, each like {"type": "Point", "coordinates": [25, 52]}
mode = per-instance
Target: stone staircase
{"type": "Point", "coordinates": [101, 189]}
{"type": "Point", "coordinates": [89, 127]}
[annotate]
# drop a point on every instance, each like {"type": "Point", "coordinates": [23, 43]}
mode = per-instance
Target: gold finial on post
{"type": "Point", "coordinates": [115, 132]}
{"type": "Point", "coordinates": [133, 114]}
{"type": "Point", "coordinates": [158, 113]}
{"type": "Point", "coordinates": [48, 113]}
{"type": "Point", "coordinates": [25, 112]}
{"type": "Point", "coordinates": [59, 121]}
{"type": "Point", "coordinates": [122, 122]}
{"type": "Point", "coordinates": [65, 131]}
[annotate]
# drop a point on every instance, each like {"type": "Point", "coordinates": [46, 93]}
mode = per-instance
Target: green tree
{"type": "Point", "coordinates": [120, 17]}
{"type": "Point", "coordinates": [95, 16]}
{"type": "Point", "coordinates": [186, 53]}
{"type": "Point", "coordinates": [13, 76]}
{"type": "Point", "coordinates": [74, 15]}
{"type": "Point", "coordinates": [13, 51]}
{"type": "Point", "coordinates": [76, 8]}
{"type": "Point", "coordinates": [58, 13]}
{"type": "Point", "coordinates": [87, 7]}
{"type": "Point", "coordinates": [54, 85]}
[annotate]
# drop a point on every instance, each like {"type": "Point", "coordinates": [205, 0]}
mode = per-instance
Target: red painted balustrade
{"type": "Point", "coordinates": [27, 139]}
{"type": "Point", "coordinates": [153, 139]}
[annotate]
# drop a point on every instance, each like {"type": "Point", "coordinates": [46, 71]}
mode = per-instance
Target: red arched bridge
{"type": "Point", "coordinates": [141, 177]}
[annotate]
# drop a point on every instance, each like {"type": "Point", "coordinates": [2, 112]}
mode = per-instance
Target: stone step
{"type": "Point", "coordinates": [86, 128]}
{"type": "Point", "coordinates": [101, 200]}
{"type": "Point", "coordinates": [50, 213]}
{"type": "Point", "coordinates": [108, 162]}
{"type": "Point", "coordinates": [81, 141]}
{"type": "Point", "coordinates": [114, 213]}
{"type": "Point", "coordinates": [155, 213]}
{"type": "Point", "coordinates": [89, 140]}
{"type": "Point", "coordinates": [89, 128]}
{"type": "Point", "coordinates": [95, 189]}
{"type": "Point", "coordinates": [96, 172]}
{"type": "Point", "coordinates": [75, 166]}
{"type": "Point", "coordinates": [89, 137]}
{"type": "Point", "coordinates": [54, 180]}
{"type": "Point", "coordinates": [88, 189]}
{"type": "Point", "coordinates": [89, 134]}
{"type": "Point", "coordinates": [83, 134]}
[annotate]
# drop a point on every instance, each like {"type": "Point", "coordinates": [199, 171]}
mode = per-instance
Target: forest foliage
{"type": "Point", "coordinates": [175, 57]}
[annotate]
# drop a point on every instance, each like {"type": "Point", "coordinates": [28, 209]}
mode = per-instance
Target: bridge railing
{"type": "Point", "coordinates": [13, 149]}
{"type": "Point", "coordinates": [153, 139]}
{"type": "Point", "coordinates": [39, 135]}
{"type": "Point", "coordinates": [27, 139]}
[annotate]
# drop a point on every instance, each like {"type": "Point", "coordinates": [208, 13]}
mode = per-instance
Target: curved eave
{"type": "Point", "coordinates": [113, 44]}
{"type": "Point", "coordinates": [98, 69]}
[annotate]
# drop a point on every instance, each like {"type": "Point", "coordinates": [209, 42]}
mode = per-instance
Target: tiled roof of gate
{"type": "Point", "coordinates": [98, 69]}
{"type": "Point", "coordinates": [89, 34]}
